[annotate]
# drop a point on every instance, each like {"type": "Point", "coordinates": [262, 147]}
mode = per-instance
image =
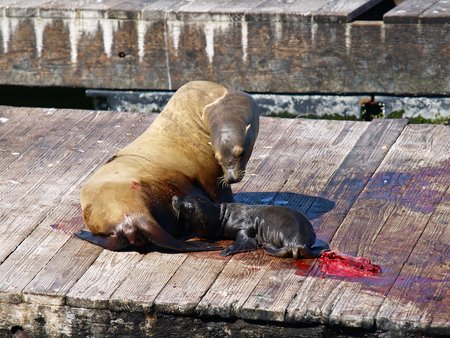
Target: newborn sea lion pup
{"type": "Point", "coordinates": [198, 145]}
{"type": "Point", "coordinates": [281, 231]}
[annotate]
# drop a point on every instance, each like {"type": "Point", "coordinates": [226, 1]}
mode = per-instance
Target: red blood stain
{"type": "Point", "coordinates": [69, 227]}
{"type": "Point", "coordinates": [303, 266]}
{"type": "Point", "coordinates": [135, 186]}
{"type": "Point", "coordinates": [339, 264]}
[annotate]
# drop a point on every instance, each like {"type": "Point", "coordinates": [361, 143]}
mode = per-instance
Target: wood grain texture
{"type": "Point", "coordinates": [163, 44]}
{"type": "Point", "coordinates": [17, 131]}
{"type": "Point", "coordinates": [369, 190]}
{"type": "Point", "coordinates": [390, 197]}
{"type": "Point", "coordinates": [145, 282]}
{"type": "Point", "coordinates": [22, 8]}
{"type": "Point", "coordinates": [439, 13]}
{"type": "Point", "coordinates": [280, 284]}
{"type": "Point", "coordinates": [408, 11]}
{"type": "Point", "coordinates": [344, 10]}
{"type": "Point", "coordinates": [66, 141]}
{"type": "Point", "coordinates": [94, 289]}
{"type": "Point", "coordinates": [80, 148]}
{"type": "Point", "coordinates": [423, 283]}
{"type": "Point", "coordinates": [303, 8]}
{"type": "Point", "coordinates": [191, 281]}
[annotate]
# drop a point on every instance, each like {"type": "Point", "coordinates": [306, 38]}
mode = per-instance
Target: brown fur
{"type": "Point", "coordinates": [128, 200]}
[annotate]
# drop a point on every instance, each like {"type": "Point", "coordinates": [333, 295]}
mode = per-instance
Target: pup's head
{"type": "Point", "coordinates": [197, 213]}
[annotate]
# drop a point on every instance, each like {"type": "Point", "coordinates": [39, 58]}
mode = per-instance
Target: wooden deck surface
{"type": "Point", "coordinates": [299, 46]}
{"type": "Point", "coordinates": [377, 189]}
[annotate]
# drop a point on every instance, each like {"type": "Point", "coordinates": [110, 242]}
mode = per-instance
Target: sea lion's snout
{"type": "Point", "coordinates": [231, 176]}
{"type": "Point", "coordinates": [234, 174]}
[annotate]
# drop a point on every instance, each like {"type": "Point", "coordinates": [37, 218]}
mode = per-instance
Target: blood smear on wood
{"type": "Point", "coordinates": [339, 264]}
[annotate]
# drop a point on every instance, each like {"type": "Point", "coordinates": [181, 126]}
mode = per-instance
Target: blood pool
{"type": "Point", "coordinates": [339, 264]}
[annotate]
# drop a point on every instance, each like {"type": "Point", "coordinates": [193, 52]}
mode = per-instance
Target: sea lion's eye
{"type": "Point", "coordinates": [237, 151]}
{"type": "Point", "coordinates": [189, 208]}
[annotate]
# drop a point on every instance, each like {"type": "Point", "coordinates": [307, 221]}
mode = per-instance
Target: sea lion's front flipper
{"type": "Point", "coordinates": [113, 243]}
{"type": "Point", "coordinates": [158, 236]}
{"type": "Point", "coordinates": [242, 243]}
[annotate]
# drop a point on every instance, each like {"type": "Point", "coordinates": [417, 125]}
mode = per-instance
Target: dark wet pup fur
{"type": "Point", "coordinates": [281, 231]}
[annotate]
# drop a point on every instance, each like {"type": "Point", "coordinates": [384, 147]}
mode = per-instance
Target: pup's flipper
{"type": "Point", "coordinates": [314, 251]}
{"type": "Point", "coordinates": [242, 243]}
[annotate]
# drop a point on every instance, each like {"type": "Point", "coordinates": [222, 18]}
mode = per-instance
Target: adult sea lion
{"type": "Point", "coordinates": [281, 231]}
{"type": "Point", "coordinates": [199, 144]}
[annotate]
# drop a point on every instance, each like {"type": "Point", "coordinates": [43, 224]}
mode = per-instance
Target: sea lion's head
{"type": "Point", "coordinates": [233, 122]}
{"type": "Point", "coordinates": [232, 153]}
{"type": "Point", "coordinates": [197, 213]}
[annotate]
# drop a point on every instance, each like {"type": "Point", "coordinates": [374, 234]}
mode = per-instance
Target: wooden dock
{"type": "Point", "coordinates": [376, 189]}
{"type": "Point", "coordinates": [300, 46]}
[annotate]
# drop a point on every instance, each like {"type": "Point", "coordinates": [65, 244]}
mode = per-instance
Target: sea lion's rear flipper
{"type": "Point", "coordinates": [298, 252]}
{"type": "Point", "coordinates": [320, 245]}
{"type": "Point", "coordinates": [113, 243]}
{"type": "Point", "coordinates": [158, 236]}
{"type": "Point", "coordinates": [242, 243]}
{"type": "Point", "coordinates": [277, 252]}
{"type": "Point", "coordinates": [314, 251]}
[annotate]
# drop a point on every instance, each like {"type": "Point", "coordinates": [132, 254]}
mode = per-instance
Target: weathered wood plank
{"type": "Point", "coordinates": [20, 272]}
{"type": "Point", "coordinates": [165, 44]}
{"type": "Point", "coordinates": [53, 282]}
{"type": "Point", "coordinates": [114, 131]}
{"type": "Point", "coordinates": [344, 10]}
{"type": "Point", "coordinates": [146, 280]}
{"type": "Point", "coordinates": [423, 283]}
{"type": "Point", "coordinates": [185, 289]}
{"type": "Point", "coordinates": [105, 275]}
{"type": "Point", "coordinates": [158, 9]}
{"type": "Point", "coordinates": [88, 9]}
{"type": "Point", "coordinates": [390, 197]}
{"type": "Point", "coordinates": [236, 282]}
{"type": "Point", "coordinates": [278, 287]}
{"type": "Point", "coordinates": [191, 281]}
{"type": "Point", "coordinates": [23, 8]}
{"type": "Point", "coordinates": [408, 11]}
{"type": "Point", "coordinates": [46, 157]}
{"type": "Point", "coordinates": [15, 134]}
{"type": "Point", "coordinates": [131, 10]}
{"type": "Point", "coordinates": [234, 7]}
{"type": "Point", "coordinates": [44, 169]}
{"type": "Point", "coordinates": [439, 13]}
{"type": "Point", "coordinates": [306, 8]}
{"type": "Point", "coordinates": [55, 279]}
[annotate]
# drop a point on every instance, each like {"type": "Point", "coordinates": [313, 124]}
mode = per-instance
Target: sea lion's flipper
{"type": "Point", "coordinates": [277, 252]}
{"type": "Point", "coordinates": [242, 243]}
{"type": "Point", "coordinates": [298, 252]}
{"type": "Point", "coordinates": [158, 236]}
{"type": "Point", "coordinates": [113, 243]}
{"type": "Point", "coordinates": [318, 248]}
